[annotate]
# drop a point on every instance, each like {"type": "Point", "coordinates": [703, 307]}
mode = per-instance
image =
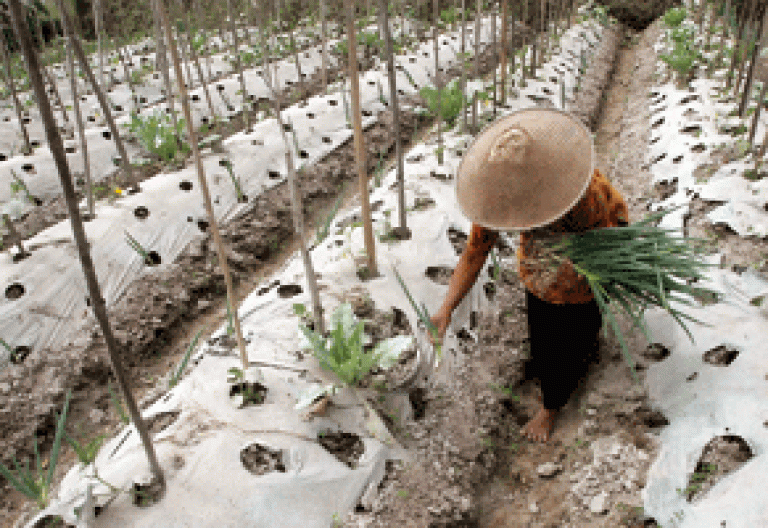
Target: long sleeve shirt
{"type": "Point", "coordinates": [601, 206]}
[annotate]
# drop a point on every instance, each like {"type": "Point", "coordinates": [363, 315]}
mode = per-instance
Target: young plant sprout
{"type": "Point", "coordinates": [18, 185]}
{"type": "Point", "coordinates": [176, 375]}
{"type": "Point", "coordinates": [118, 405]}
{"type": "Point", "coordinates": [323, 230]}
{"type": "Point", "coordinates": [235, 180]}
{"type": "Point", "coordinates": [230, 327]}
{"type": "Point", "coordinates": [37, 486]}
{"type": "Point", "coordinates": [422, 312]}
{"type": "Point", "coordinates": [451, 102]}
{"type": "Point", "coordinates": [137, 247]}
{"type": "Point", "coordinates": [634, 267]}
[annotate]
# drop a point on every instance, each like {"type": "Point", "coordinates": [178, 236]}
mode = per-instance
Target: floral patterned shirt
{"type": "Point", "coordinates": [601, 206]}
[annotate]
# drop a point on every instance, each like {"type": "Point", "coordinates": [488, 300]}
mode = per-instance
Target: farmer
{"type": "Point", "coordinates": [533, 171]}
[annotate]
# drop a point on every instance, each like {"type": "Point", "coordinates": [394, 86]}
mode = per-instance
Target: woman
{"type": "Point", "coordinates": [533, 172]}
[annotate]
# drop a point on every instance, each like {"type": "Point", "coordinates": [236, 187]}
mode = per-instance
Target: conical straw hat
{"type": "Point", "coordinates": [525, 170]}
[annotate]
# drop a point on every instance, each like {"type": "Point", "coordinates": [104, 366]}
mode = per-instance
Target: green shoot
{"type": "Point", "coordinates": [118, 405]}
{"type": "Point", "coordinates": [137, 247]}
{"type": "Point", "coordinates": [235, 180]}
{"type": "Point", "coordinates": [420, 311]}
{"type": "Point", "coordinates": [176, 375]}
{"type": "Point", "coordinates": [37, 486]}
{"type": "Point", "coordinates": [324, 229]}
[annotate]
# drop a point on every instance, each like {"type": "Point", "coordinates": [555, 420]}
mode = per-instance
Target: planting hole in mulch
{"type": "Point", "coordinates": [689, 98]}
{"type": "Point", "coordinates": [3, 157]}
{"type": "Point", "coordinates": [490, 290]}
{"type": "Point", "coordinates": [691, 129]}
{"type": "Point", "coordinates": [655, 140]}
{"type": "Point", "coordinates": [665, 189]}
{"type": "Point", "coordinates": [699, 147]}
{"type": "Point", "coordinates": [141, 212]}
{"type": "Point", "coordinates": [274, 175]}
{"type": "Point", "coordinates": [346, 447]}
{"type": "Point", "coordinates": [195, 97]}
{"type": "Point", "coordinates": [722, 455]}
{"type": "Point", "coordinates": [14, 291]}
{"type": "Point", "coordinates": [145, 495]}
{"type": "Point", "coordinates": [19, 354]}
{"type": "Point", "coordinates": [70, 150]}
{"type": "Point", "coordinates": [720, 355]}
{"type": "Point", "coordinates": [659, 158]}
{"type": "Point", "coordinates": [28, 167]}
{"type": "Point", "coordinates": [440, 176]}
{"type": "Point", "coordinates": [260, 460]}
{"type": "Point", "coordinates": [52, 521]}
{"type": "Point", "coordinates": [656, 352]}
{"type": "Point", "coordinates": [253, 392]}
{"type": "Point", "coordinates": [35, 143]}
{"type": "Point", "coordinates": [678, 159]}
{"type": "Point", "coordinates": [92, 119]}
{"type": "Point", "coordinates": [333, 102]}
{"type": "Point", "coordinates": [310, 115]}
{"type": "Point", "coordinates": [153, 258]}
{"type": "Point", "coordinates": [107, 134]}
{"type": "Point", "coordinates": [161, 420]}
{"type": "Point", "coordinates": [439, 274]}
{"type": "Point", "coordinates": [418, 398]}
{"type": "Point", "coordinates": [202, 225]}
{"type": "Point", "coordinates": [458, 239]}
{"type": "Point", "coordinates": [326, 140]}
{"type": "Point", "coordinates": [185, 185]}
{"type": "Point", "coordinates": [285, 291]}
{"type": "Point", "coordinates": [303, 154]}
{"type": "Point", "coordinates": [658, 123]}
{"type": "Point", "coordinates": [422, 203]}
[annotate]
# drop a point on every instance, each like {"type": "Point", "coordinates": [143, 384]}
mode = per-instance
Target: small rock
{"type": "Point", "coordinates": [97, 416]}
{"type": "Point", "coordinates": [598, 504]}
{"type": "Point", "coordinates": [549, 469]}
{"type": "Point", "coordinates": [5, 387]}
{"type": "Point", "coordinates": [533, 507]}
{"type": "Point", "coordinates": [591, 412]}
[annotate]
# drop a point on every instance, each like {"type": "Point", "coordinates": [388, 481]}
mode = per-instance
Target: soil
{"type": "Point", "coordinates": [260, 460]}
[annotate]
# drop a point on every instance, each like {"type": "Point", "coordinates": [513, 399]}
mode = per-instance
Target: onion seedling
{"type": "Point", "coordinates": [422, 312]}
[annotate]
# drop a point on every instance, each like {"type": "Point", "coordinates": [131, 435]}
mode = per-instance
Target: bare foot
{"type": "Point", "coordinates": [540, 426]}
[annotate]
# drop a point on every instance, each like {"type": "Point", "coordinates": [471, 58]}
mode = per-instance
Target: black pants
{"type": "Point", "coordinates": [562, 339]}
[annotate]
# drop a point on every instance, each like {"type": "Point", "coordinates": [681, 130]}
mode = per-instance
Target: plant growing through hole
{"type": "Point", "coordinates": [422, 312]}
{"type": "Point", "coordinates": [451, 102]}
{"type": "Point", "coordinates": [118, 405]}
{"type": "Point", "coordinates": [698, 478]}
{"type": "Point", "coordinates": [235, 180]}
{"type": "Point", "coordinates": [137, 247]}
{"type": "Point", "coordinates": [18, 186]}
{"type": "Point", "coordinates": [158, 137]}
{"type": "Point", "coordinates": [176, 375]}
{"type": "Point", "coordinates": [37, 486]}
{"type": "Point", "coordinates": [249, 393]}
{"type": "Point", "coordinates": [324, 229]}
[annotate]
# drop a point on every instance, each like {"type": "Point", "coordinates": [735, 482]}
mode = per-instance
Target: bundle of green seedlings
{"type": "Point", "coordinates": [633, 267]}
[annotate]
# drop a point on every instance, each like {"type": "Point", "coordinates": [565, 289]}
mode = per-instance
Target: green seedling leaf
{"type": "Point", "coordinates": [390, 350]}
{"type": "Point", "coordinates": [175, 378]}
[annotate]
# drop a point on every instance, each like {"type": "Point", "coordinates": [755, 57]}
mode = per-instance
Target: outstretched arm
{"type": "Point", "coordinates": [480, 242]}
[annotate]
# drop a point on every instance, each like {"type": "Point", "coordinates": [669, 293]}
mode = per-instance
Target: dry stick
{"type": "Point", "coordinates": [463, 65]}
{"type": "Point", "coordinates": [265, 22]}
{"type": "Point", "coordinates": [370, 248]}
{"type": "Point", "coordinates": [504, 19]}
{"type": "Point", "coordinates": [438, 83]}
{"type": "Point", "coordinates": [199, 68]}
{"type": "Point", "coordinates": [203, 182]}
{"type": "Point", "coordinates": [750, 73]}
{"type": "Point", "coordinates": [324, 39]}
{"type": "Point", "coordinates": [85, 67]}
{"type": "Point", "coordinates": [736, 51]}
{"type": "Point", "coordinates": [15, 96]}
{"type": "Point", "coordinates": [525, 41]}
{"type": "Point", "coordinates": [79, 120]}
{"type": "Point", "coordinates": [726, 22]}
{"type": "Point", "coordinates": [395, 104]}
{"type": "Point", "coordinates": [238, 64]}
{"type": "Point", "coordinates": [14, 235]}
{"type": "Point", "coordinates": [297, 213]}
{"type": "Point", "coordinates": [743, 48]}
{"type": "Point", "coordinates": [60, 158]}
{"type": "Point", "coordinates": [184, 43]}
{"type": "Point", "coordinates": [756, 117]}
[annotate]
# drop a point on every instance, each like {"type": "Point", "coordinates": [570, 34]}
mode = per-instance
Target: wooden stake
{"type": "Point", "coordinates": [478, 9]}
{"type": "Point", "coordinates": [15, 96]}
{"type": "Point", "coordinates": [324, 43]}
{"type": "Point", "coordinates": [105, 108]}
{"type": "Point", "coordinates": [504, 22]}
{"type": "Point", "coordinates": [745, 98]}
{"type": "Point", "coordinates": [464, 65]}
{"type": "Point", "coordinates": [357, 124]}
{"type": "Point", "coordinates": [495, 55]}
{"type": "Point", "coordinates": [60, 158]}
{"type": "Point", "coordinates": [743, 49]}
{"type": "Point", "coordinates": [79, 120]}
{"type": "Point", "coordinates": [238, 64]}
{"type": "Point", "coordinates": [438, 82]}
{"type": "Point", "coordinates": [394, 104]}
{"type": "Point", "coordinates": [736, 51]}
{"type": "Point", "coordinates": [203, 183]}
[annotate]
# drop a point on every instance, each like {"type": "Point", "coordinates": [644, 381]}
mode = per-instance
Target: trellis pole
{"type": "Point", "coordinates": [60, 158]}
{"type": "Point", "coordinates": [79, 119]}
{"type": "Point", "coordinates": [238, 63]}
{"type": "Point", "coordinates": [360, 162]}
{"type": "Point", "coordinates": [464, 66]}
{"type": "Point", "coordinates": [737, 48]}
{"type": "Point", "coordinates": [98, 23]}
{"type": "Point", "coordinates": [15, 96]}
{"type": "Point", "coordinates": [744, 48]}
{"type": "Point", "coordinates": [504, 21]}
{"type": "Point", "coordinates": [495, 55]}
{"type": "Point", "coordinates": [478, 9]}
{"type": "Point", "coordinates": [394, 104]}
{"type": "Point", "coordinates": [214, 225]}
{"type": "Point", "coordinates": [324, 43]}
{"type": "Point", "coordinates": [438, 82]}
{"type": "Point", "coordinates": [162, 55]}
{"type": "Point", "coordinates": [745, 97]}
{"type": "Point", "coordinates": [199, 68]}
{"type": "Point", "coordinates": [85, 67]}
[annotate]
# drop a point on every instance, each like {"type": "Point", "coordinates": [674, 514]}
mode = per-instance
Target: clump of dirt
{"type": "Point", "coordinates": [161, 420]}
{"type": "Point", "coordinates": [260, 460]}
{"type": "Point", "coordinates": [720, 355]}
{"type": "Point", "coordinates": [346, 447]}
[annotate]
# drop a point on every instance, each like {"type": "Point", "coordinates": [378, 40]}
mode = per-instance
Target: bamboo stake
{"type": "Point", "coordinates": [162, 54]}
{"type": "Point", "coordinates": [324, 43]}
{"type": "Point", "coordinates": [97, 22]}
{"type": "Point", "coordinates": [464, 65]}
{"type": "Point", "coordinates": [743, 49]}
{"type": "Point", "coordinates": [750, 73]}
{"type": "Point", "coordinates": [15, 96]}
{"type": "Point", "coordinates": [525, 42]}
{"type": "Point", "coordinates": [184, 44]}
{"type": "Point", "coordinates": [48, 77]}
{"type": "Point", "coordinates": [394, 103]}
{"type": "Point", "coordinates": [298, 63]}
{"type": "Point", "coordinates": [214, 225]}
{"type": "Point", "coordinates": [438, 83]}
{"type": "Point", "coordinates": [265, 22]}
{"type": "Point", "coordinates": [478, 9]}
{"type": "Point", "coordinates": [495, 54]}
{"type": "Point", "coordinates": [199, 68]}
{"type": "Point", "coordinates": [97, 301]}
{"type": "Point", "coordinates": [736, 51]}
{"type": "Point", "coordinates": [513, 68]}
{"type": "Point", "coordinates": [128, 79]}
{"type": "Point", "coordinates": [297, 213]}
{"type": "Point", "coordinates": [79, 120]}
{"type": "Point", "coordinates": [370, 248]}
{"type": "Point", "coordinates": [238, 64]}
{"type": "Point", "coordinates": [504, 21]}
{"type": "Point", "coordinates": [85, 67]}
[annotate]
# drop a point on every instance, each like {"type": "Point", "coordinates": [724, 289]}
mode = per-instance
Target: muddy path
{"type": "Point", "coordinates": [473, 467]}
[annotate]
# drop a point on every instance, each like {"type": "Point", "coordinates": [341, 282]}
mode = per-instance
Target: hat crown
{"type": "Point", "coordinates": [510, 146]}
